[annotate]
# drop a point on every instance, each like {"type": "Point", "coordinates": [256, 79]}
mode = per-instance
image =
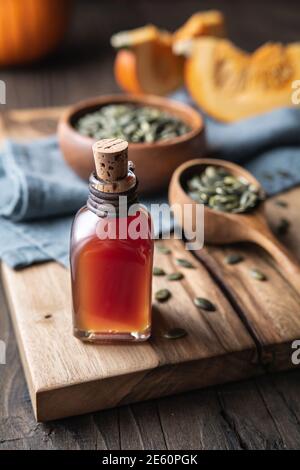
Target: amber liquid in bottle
{"type": "Point", "coordinates": [111, 277]}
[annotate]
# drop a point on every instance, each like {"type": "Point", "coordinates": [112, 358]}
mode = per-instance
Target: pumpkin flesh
{"type": "Point", "coordinates": [147, 65]}
{"type": "Point", "coordinates": [204, 23]}
{"type": "Point", "coordinates": [230, 84]}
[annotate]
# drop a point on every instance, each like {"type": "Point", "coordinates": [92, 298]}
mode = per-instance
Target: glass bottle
{"type": "Point", "coordinates": [112, 253]}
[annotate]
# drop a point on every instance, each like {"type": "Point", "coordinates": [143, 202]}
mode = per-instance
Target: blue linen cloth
{"type": "Point", "coordinates": [268, 145]}
{"type": "Point", "coordinates": [39, 193]}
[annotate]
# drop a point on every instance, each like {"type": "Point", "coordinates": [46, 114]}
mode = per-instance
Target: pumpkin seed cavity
{"type": "Point", "coordinates": [218, 189]}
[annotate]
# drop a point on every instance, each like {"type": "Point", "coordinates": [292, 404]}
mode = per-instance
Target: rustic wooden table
{"type": "Point", "coordinates": [262, 413]}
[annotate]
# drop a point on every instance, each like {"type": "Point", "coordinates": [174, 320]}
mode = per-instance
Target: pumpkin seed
{"type": "Point", "coordinates": [204, 304]}
{"type": "Point", "coordinates": [284, 173]}
{"type": "Point", "coordinates": [162, 295]}
{"type": "Point", "coordinates": [211, 172]}
{"type": "Point", "coordinates": [131, 122]}
{"type": "Point", "coordinates": [283, 227]}
{"type": "Point", "coordinates": [267, 176]}
{"type": "Point", "coordinates": [184, 263]}
{"type": "Point", "coordinates": [158, 271]}
{"type": "Point", "coordinates": [222, 191]}
{"type": "Point", "coordinates": [258, 275]}
{"type": "Point", "coordinates": [175, 333]}
{"type": "Point", "coordinates": [175, 276]}
{"type": "Point", "coordinates": [234, 258]}
{"type": "Point", "coordinates": [163, 249]}
{"type": "Point", "coordinates": [281, 203]}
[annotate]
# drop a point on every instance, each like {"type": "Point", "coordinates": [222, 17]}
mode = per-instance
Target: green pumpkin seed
{"type": "Point", "coordinates": [267, 176]}
{"type": "Point", "coordinates": [229, 180]}
{"type": "Point", "coordinates": [203, 197]}
{"type": "Point", "coordinates": [204, 304]}
{"type": "Point", "coordinates": [158, 271]}
{"type": "Point", "coordinates": [284, 173]}
{"type": "Point", "coordinates": [283, 227]}
{"type": "Point", "coordinates": [175, 333]}
{"type": "Point", "coordinates": [163, 249]}
{"type": "Point", "coordinates": [211, 172]}
{"type": "Point", "coordinates": [220, 190]}
{"type": "Point", "coordinates": [184, 263]}
{"type": "Point", "coordinates": [162, 295]}
{"type": "Point", "coordinates": [258, 275]}
{"type": "Point", "coordinates": [281, 203]}
{"type": "Point", "coordinates": [131, 122]}
{"type": "Point", "coordinates": [234, 258]}
{"type": "Point", "coordinates": [175, 276]}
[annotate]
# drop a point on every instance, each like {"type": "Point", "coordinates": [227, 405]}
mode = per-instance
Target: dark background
{"type": "Point", "coordinates": [83, 64]}
{"type": "Point", "coordinates": [262, 413]}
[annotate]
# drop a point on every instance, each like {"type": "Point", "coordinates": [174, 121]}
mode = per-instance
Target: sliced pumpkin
{"type": "Point", "coordinates": [231, 84]}
{"type": "Point", "coordinates": [145, 62]}
{"type": "Point", "coordinates": [202, 23]}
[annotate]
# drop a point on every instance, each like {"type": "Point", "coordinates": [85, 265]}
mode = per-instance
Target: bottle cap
{"type": "Point", "coordinates": [111, 159]}
{"type": "Point", "coordinates": [114, 174]}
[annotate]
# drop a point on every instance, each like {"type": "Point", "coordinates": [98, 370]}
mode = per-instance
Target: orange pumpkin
{"type": "Point", "coordinates": [231, 84]}
{"type": "Point", "coordinates": [145, 62]}
{"type": "Point", "coordinates": [29, 29]}
{"type": "Point", "coordinates": [150, 60]}
{"type": "Point", "coordinates": [202, 23]}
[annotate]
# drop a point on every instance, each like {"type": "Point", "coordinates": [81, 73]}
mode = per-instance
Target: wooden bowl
{"type": "Point", "coordinates": [154, 162]}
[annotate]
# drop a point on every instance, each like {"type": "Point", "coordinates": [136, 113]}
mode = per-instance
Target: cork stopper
{"type": "Point", "coordinates": [111, 159]}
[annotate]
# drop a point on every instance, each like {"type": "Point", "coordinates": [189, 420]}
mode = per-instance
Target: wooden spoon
{"type": "Point", "coordinates": [224, 227]}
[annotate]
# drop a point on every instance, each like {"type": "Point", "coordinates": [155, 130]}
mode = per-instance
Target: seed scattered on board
{"type": "Point", "coordinates": [281, 203]}
{"type": "Point", "coordinates": [163, 249]}
{"type": "Point", "coordinates": [234, 258]}
{"type": "Point", "coordinates": [283, 226]}
{"type": "Point", "coordinates": [158, 271]}
{"type": "Point", "coordinates": [258, 275]}
{"type": "Point", "coordinates": [175, 276]}
{"type": "Point", "coordinates": [175, 333]}
{"type": "Point", "coordinates": [184, 263]}
{"type": "Point", "coordinates": [162, 295]}
{"type": "Point", "coordinates": [204, 304]}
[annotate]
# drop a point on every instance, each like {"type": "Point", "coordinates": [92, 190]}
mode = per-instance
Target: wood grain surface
{"type": "Point", "coordinates": [261, 413]}
{"type": "Point", "coordinates": [253, 326]}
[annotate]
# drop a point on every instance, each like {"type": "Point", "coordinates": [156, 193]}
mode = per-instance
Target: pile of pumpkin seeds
{"type": "Point", "coordinates": [130, 122]}
{"type": "Point", "coordinates": [222, 191]}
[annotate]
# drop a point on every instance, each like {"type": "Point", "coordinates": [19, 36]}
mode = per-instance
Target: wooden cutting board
{"type": "Point", "coordinates": [250, 333]}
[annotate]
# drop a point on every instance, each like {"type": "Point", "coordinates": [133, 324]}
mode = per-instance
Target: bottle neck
{"type": "Point", "coordinates": [105, 204]}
